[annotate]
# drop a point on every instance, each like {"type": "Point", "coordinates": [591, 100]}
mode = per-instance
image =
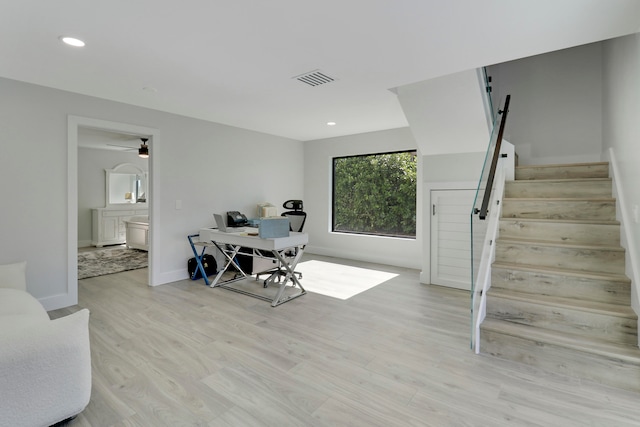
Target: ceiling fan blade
{"type": "Point", "coordinates": [125, 147]}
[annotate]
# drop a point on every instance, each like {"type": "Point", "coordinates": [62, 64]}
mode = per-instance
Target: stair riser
{"type": "Point", "coordinates": [576, 233]}
{"type": "Point", "coordinates": [557, 189]}
{"type": "Point", "coordinates": [590, 289]}
{"type": "Point", "coordinates": [604, 370]}
{"type": "Point", "coordinates": [595, 260]}
{"type": "Point", "coordinates": [566, 320]}
{"type": "Point", "coordinates": [563, 171]}
{"type": "Point", "coordinates": [551, 209]}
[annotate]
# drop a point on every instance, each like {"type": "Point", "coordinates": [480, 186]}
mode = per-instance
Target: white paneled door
{"type": "Point", "coordinates": [451, 238]}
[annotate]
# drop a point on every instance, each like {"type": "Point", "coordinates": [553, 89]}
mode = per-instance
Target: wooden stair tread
{"type": "Point", "coordinates": [548, 180]}
{"type": "Point", "coordinates": [557, 165]}
{"type": "Point", "coordinates": [559, 199]}
{"type": "Point", "coordinates": [571, 303]}
{"type": "Point", "coordinates": [563, 221]}
{"type": "Point", "coordinates": [533, 242]}
{"type": "Point", "coordinates": [563, 271]}
{"type": "Point", "coordinates": [626, 353]}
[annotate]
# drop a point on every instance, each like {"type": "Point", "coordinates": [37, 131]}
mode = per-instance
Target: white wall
{"type": "Point", "coordinates": [621, 135]}
{"type": "Point", "coordinates": [91, 183]}
{"type": "Point", "coordinates": [208, 166]}
{"type": "Point", "coordinates": [318, 157]}
{"type": "Point", "coordinates": [459, 167]}
{"type": "Point", "coordinates": [448, 119]}
{"type": "Point", "coordinates": [555, 114]}
{"type": "Point", "coordinates": [446, 114]}
{"type": "Point", "coordinates": [459, 171]}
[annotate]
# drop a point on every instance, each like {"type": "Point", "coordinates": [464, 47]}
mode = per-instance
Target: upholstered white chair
{"type": "Point", "coordinates": [45, 365]}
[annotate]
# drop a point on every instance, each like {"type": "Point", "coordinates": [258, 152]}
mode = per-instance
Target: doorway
{"type": "Point", "coordinates": [76, 125]}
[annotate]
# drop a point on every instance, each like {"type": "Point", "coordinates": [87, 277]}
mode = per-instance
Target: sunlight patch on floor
{"type": "Point", "coordinates": [337, 280]}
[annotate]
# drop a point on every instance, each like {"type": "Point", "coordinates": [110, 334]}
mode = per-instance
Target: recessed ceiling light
{"type": "Point", "coordinates": [71, 41]}
{"type": "Point", "coordinates": [331, 123]}
{"type": "Point", "coordinates": [150, 89]}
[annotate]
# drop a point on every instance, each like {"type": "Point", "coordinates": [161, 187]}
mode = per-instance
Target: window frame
{"type": "Point", "coordinates": [332, 221]}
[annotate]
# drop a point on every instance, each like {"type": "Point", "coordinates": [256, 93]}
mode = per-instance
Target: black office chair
{"type": "Point", "coordinates": [297, 217]}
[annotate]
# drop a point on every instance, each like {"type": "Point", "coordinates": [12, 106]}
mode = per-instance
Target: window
{"type": "Point", "coordinates": [375, 194]}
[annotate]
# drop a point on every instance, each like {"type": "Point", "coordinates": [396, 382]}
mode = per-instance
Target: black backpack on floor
{"type": "Point", "coordinates": [209, 264]}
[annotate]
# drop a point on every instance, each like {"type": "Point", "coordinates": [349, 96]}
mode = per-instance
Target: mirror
{"type": "Point", "coordinates": [126, 184]}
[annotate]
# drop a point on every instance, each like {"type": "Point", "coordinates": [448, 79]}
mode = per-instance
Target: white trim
{"type": "Point", "coordinates": [72, 213]}
{"type": "Point", "coordinates": [505, 171]}
{"type": "Point", "coordinates": [425, 274]}
{"type": "Point", "coordinates": [84, 243]}
{"type": "Point", "coordinates": [73, 123]}
{"type": "Point", "coordinates": [421, 226]}
{"type": "Point", "coordinates": [483, 279]}
{"type": "Point", "coordinates": [626, 238]}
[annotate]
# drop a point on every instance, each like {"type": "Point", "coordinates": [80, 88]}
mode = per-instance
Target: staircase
{"type": "Point", "coordinates": [559, 298]}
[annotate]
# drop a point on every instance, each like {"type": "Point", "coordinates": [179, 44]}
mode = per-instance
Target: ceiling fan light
{"type": "Point", "coordinates": [143, 151]}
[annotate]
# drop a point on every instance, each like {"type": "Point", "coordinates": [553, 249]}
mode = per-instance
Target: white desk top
{"type": "Point", "coordinates": [243, 239]}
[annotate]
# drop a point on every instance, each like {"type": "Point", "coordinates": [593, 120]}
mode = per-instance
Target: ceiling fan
{"type": "Point", "coordinates": [143, 150]}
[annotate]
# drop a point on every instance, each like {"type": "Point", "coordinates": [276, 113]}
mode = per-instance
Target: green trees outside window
{"type": "Point", "coordinates": [375, 194]}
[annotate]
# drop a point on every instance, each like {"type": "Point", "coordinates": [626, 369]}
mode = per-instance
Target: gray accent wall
{"type": "Point", "coordinates": [555, 114]}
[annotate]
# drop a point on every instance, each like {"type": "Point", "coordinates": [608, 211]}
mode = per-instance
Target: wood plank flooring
{"type": "Point", "coordinates": [398, 354]}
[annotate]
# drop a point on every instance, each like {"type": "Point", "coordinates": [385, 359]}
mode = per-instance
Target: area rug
{"type": "Point", "coordinates": [109, 261]}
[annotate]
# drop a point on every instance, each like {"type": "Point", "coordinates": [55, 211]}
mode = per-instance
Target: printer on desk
{"type": "Point", "coordinates": [236, 219]}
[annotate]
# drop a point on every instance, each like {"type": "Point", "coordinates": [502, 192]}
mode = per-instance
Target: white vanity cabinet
{"type": "Point", "coordinates": [108, 224]}
{"type": "Point", "coordinates": [125, 197]}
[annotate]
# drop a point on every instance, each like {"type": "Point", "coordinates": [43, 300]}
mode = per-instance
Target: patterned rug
{"type": "Point", "coordinates": [109, 261]}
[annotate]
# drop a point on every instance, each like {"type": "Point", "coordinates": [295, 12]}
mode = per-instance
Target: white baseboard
{"type": "Point", "coordinates": [386, 260]}
{"type": "Point", "coordinates": [169, 277]}
{"type": "Point", "coordinates": [84, 243]}
{"type": "Point", "coordinates": [425, 277]}
{"type": "Point", "coordinates": [55, 302]}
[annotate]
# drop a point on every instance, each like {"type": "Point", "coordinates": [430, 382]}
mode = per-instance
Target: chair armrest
{"type": "Point", "coordinates": [45, 370]}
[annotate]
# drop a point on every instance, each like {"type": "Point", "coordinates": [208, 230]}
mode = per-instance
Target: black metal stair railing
{"type": "Point", "coordinates": [494, 162]}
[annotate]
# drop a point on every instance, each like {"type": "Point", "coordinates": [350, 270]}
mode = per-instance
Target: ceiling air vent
{"type": "Point", "coordinates": [314, 78]}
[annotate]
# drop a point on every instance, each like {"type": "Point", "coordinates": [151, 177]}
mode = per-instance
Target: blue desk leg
{"type": "Point", "coordinates": [198, 259]}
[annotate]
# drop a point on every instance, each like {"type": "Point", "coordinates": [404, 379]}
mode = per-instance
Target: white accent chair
{"type": "Point", "coordinates": [45, 365]}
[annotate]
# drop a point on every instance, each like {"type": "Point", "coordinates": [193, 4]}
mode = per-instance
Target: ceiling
{"type": "Point", "coordinates": [234, 62]}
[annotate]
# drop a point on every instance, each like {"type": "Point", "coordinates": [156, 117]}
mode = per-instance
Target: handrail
{"type": "Point", "coordinates": [494, 161]}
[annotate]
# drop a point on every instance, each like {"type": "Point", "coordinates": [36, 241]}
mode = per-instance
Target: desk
{"type": "Point", "coordinates": [230, 243]}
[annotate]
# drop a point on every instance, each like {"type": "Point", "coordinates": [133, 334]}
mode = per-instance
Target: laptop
{"type": "Point", "coordinates": [222, 226]}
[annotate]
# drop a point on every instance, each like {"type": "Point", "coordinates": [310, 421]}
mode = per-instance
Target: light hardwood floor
{"type": "Point", "coordinates": [398, 354]}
